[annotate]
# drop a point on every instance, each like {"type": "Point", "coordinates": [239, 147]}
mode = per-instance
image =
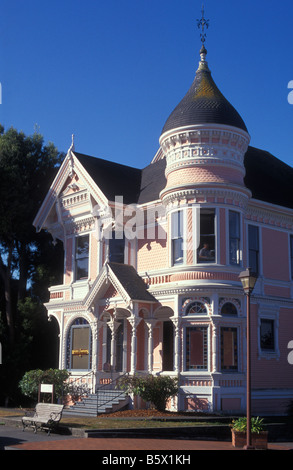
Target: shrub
{"type": "Point", "coordinates": [29, 384]}
{"type": "Point", "coordinates": [240, 425]}
{"type": "Point", "coordinates": [154, 389]}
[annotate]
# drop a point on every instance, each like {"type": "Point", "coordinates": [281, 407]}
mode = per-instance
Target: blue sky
{"type": "Point", "coordinates": [112, 71]}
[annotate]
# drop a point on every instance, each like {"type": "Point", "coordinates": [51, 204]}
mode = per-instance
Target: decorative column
{"type": "Point", "coordinates": [134, 322]}
{"type": "Point", "coordinates": [95, 326]}
{"type": "Point", "coordinates": [113, 325]}
{"type": "Point", "coordinates": [150, 323]}
{"type": "Point", "coordinates": [177, 325]}
{"type": "Point", "coordinates": [215, 354]}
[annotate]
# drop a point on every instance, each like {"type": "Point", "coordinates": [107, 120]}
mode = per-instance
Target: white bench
{"type": "Point", "coordinates": [46, 416]}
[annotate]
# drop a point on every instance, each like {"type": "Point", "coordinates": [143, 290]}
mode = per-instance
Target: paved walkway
{"type": "Point", "coordinates": [106, 444]}
{"type": "Point", "coordinates": [13, 438]}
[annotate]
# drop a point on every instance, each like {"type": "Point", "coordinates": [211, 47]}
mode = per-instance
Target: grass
{"type": "Point", "coordinates": [114, 423]}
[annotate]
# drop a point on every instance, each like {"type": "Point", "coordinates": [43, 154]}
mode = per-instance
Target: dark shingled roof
{"type": "Point", "coordinates": [268, 178]}
{"type": "Point", "coordinates": [203, 104]}
{"type": "Point", "coordinates": [112, 178]}
{"type": "Point", "coordinates": [153, 181]}
{"type": "Point", "coordinates": [131, 282]}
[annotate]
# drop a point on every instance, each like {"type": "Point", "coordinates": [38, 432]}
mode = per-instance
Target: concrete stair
{"type": "Point", "coordinates": [104, 401]}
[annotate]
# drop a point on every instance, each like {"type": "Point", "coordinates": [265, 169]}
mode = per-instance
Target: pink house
{"type": "Point", "coordinates": [153, 257]}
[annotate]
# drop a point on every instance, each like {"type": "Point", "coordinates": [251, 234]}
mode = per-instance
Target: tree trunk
{"type": "Point", "coordinates": [5, 272]}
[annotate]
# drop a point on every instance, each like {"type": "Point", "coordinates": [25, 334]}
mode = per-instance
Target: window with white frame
{"type": "Point", "coordinates": [177, 237]}
{"type": "Point", "coordinates": [196, 348]}
{"type": "Point", "coordinates": [268, 331]}
{"type": "Point", "coordinates": [267, 335]}
{"type": "Point", "coordinates": [81, 257]}
{"type": "Point", "coordinates": [234, 237]}
{"type": "Point", "coordinates": [207, 246]}
{"type": "Point", "coordinates": [229, 349]}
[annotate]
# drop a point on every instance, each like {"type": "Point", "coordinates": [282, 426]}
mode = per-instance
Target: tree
{"type": "Point", "coordinates": [154, 389]}
{"type": "Point", "coordinates": [29, 261]}
{"type": "Point", "coordinates": [27, 168]}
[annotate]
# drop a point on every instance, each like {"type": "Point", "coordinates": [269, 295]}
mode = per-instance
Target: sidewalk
{"type": "Point", "coordinates": [124, 444]}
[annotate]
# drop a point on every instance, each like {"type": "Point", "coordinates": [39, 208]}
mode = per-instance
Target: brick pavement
{"type": "Point", "coordinates": [125, 444]}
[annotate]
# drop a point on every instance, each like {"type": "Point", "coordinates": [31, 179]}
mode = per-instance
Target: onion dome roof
{"type": "Point", "coordinates": [204, 103]}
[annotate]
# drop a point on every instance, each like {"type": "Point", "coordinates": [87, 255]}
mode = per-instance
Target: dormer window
{"type": "Point", "coordinates": [82, 258]}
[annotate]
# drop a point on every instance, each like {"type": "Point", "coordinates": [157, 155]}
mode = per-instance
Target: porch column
{"type": "Point", "coordinates": [113, 325]}
{"type": "Point", "coordinates": [215, 353]}
{"type": "Point", "coordinates": [150, 324]}
{"type": "Point", "coordinates": [96, 326]}
{"type": "Point", "coordinates": [134, 322]}
{"type": "Point", "coordinates": [177, 324]}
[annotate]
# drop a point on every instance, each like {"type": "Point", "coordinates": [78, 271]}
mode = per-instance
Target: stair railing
{"type": "Point", "coordinates": [113, 384]}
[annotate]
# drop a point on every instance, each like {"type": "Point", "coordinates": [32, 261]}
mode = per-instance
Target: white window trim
{"type": "Point", "coordinates": [269, 313]}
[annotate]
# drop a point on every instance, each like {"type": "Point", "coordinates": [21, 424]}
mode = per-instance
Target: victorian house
{"type": "Point", "coordinates": [152, 259]}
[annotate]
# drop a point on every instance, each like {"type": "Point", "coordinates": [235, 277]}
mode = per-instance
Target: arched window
{"type": "Point", "coordinates": [196, 308]}
{"type": "Point", "coordinates": [79, 345]}
{"type": "Point", "coordinates": [229, 309]}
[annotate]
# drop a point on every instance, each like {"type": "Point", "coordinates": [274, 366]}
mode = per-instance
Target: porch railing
{"type": "Point", "coordinates": [104, 391]}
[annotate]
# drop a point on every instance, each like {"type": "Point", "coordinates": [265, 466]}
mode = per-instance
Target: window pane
{"type": "Point", "coordinates": [82, 246]}
{"type": "Point", "coordinates": [177, 237]}
{"type": "Point", "coordinates": [234, 237]}
{"type": "Point", "coordinates": [253, 246]}
{"type": "Point", "coordinates": [229, 356]}
{"type": "Point", "coordinates": [196, 348]}
{"type": "Point", "coordinates": [267, 341]}
{"type": "Point", "coordinates": [177, 249]}
{"type": "Point", "coordinates": [80, 347]}
{"type": "Point", "coordinates": [196, 308]}
{"type": "Point", "coordinates": [206, 253]}
{"type": "Point", "coordinates": [82, 257]}
{"type": "Point", "coordinates": [291, 249]}
{"type": "Point", "coordinates": [116, 249]}
{"type": "Point", "coordinates": [228, 309]}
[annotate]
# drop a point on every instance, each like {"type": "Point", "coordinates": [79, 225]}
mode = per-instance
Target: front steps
{"type": "Point", "coordinates": [105, 401]}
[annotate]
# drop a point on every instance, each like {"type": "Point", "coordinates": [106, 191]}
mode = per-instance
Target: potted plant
{"type": "Point", "coordinates": [259, 437]}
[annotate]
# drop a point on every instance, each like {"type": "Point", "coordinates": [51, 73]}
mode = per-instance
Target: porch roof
{"type": "Point", "coordinates": [131, 282]}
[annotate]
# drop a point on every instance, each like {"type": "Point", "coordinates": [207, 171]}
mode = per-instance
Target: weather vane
{"type": "Point", "coordinates": [203, 24]}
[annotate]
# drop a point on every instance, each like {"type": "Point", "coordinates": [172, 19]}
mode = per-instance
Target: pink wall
{"type": "Point", "coordinates": [275, 254]}
{"type": "Point", "coordinates": [272, 372]}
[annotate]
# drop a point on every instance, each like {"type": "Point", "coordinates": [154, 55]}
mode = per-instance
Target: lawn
{"type": "Point", "coordinates": [131, 419]}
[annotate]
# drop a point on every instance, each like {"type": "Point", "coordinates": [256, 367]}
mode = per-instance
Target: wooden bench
{"type": "Point", "coordinates": [46, 416]}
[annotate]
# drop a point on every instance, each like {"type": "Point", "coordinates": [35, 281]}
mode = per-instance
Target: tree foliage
{"type": "Point", "coordinates": [154, 389]}
{"type": "Point", "coordinates": [29, 261]}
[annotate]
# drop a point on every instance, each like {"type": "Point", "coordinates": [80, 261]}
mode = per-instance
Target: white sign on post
{"type": "Point", "coordinates": [46, 388]}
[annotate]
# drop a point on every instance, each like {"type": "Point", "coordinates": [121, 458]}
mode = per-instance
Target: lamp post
{"type": "Point", "coordinates": [248, 280]}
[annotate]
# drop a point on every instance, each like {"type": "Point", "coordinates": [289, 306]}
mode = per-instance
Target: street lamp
{"type": "Point", "coordinates": [248, 280]}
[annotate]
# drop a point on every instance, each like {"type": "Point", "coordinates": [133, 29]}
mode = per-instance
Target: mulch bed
{"type": "Point", "coordinates": [150, 414]}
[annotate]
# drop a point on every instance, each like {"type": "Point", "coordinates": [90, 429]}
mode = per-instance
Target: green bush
{"type": "Point", "coordinates": [29, 384]}
{"type": "Point", "coordinates": [154, 389]}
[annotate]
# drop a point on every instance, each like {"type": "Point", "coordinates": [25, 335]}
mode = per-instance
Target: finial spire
{"type": "Point", "coordinates": [203, 24]}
